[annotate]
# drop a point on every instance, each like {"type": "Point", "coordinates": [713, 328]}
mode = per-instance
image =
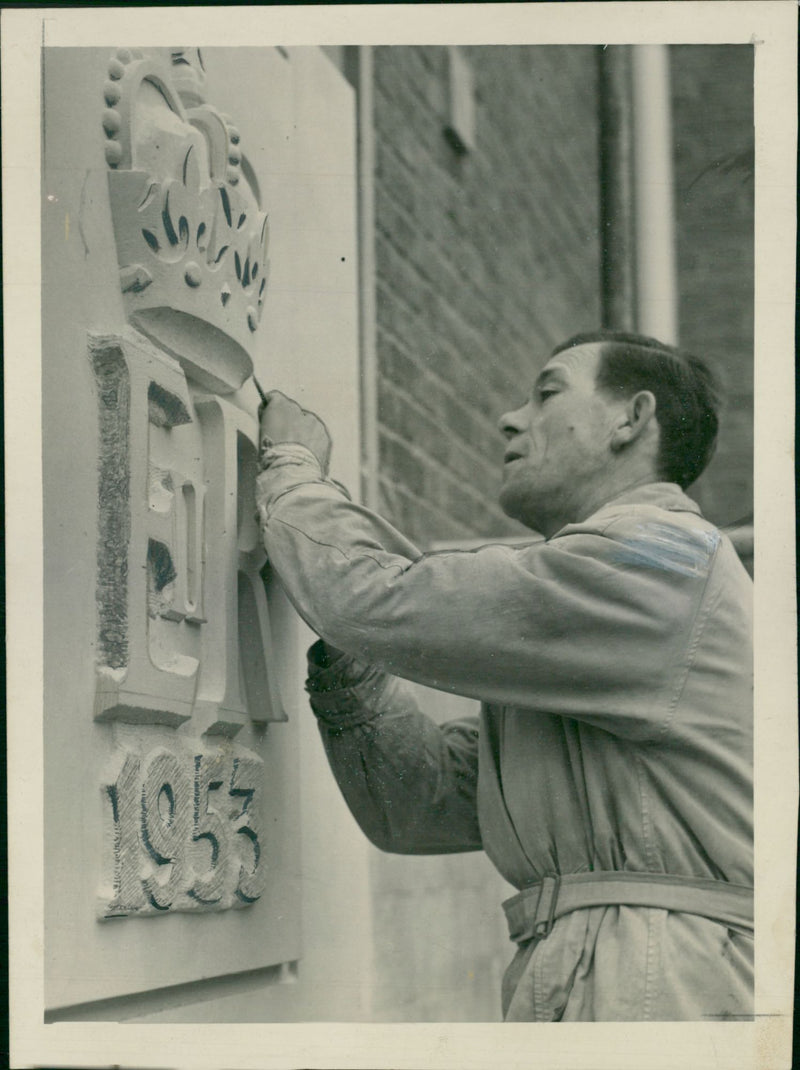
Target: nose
{"type": "Point", "coordinates": [512, 423]}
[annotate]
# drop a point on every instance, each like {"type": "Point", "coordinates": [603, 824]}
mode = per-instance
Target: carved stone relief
{"type": "Point", "coordinates": [183, 627]}
{"type": "Point", "coordinates": [183, 831]}
{"type": "Point", "coordinates": [184, 643]}
{"type": "Point", "coordinates": [237, 645]}
{"type": "Point", "coordinates": [191, 238]}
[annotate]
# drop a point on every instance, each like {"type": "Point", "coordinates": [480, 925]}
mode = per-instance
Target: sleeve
{"type": "Point", "coordinates": [411, 784]}
{"type": "Point", "coordinates": [589, 625]}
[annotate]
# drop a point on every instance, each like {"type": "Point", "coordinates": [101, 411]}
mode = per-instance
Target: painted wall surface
{"type": "Point", "coordinates": [182, 764]}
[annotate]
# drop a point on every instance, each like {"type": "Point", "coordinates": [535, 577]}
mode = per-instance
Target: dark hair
{"type": "Point", "coordinates": [687, 392]}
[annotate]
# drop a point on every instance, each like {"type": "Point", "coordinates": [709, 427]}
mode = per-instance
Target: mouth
{"type": "Point", "coordinates": [511, 455]}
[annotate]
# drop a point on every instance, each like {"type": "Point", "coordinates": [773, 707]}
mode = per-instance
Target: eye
{"type": "Point", "coordinates": [545, 394]}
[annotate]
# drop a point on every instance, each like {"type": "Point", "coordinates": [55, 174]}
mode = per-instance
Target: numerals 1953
{"type": "Point", "coordinates": [184, 832]}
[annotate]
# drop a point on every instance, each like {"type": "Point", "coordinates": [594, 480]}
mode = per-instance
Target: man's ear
{"type": "Point", "coordinates": [638, 415]}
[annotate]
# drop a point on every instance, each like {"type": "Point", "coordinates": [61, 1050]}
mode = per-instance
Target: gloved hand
{"type": "Point", "coordinates": [283, 420]}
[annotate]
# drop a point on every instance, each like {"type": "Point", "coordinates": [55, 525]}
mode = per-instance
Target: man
{"type": "Point", "coordinates": [609, 777]}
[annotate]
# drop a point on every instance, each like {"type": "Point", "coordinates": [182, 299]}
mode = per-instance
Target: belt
{"type": "Point", "coordinates": [531, 913]}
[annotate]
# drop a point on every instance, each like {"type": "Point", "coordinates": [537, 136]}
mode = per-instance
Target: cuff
{"type": "Point", "coordinates": [277, 454]}
{"type": "Point", "coordinates": [283, 467]}
{"type": "Point", "coordinates": [343, 690]}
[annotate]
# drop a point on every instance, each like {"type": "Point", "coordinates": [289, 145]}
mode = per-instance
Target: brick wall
{"type": "Point", "coordinates": [713, 125]}
{"type": "Point", "coordinates": [484, 262]}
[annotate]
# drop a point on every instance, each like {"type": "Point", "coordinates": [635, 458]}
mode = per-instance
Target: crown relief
{"type": "Point", "coordinates": [191, 238]}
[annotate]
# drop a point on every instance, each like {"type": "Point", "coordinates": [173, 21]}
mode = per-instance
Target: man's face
{"type": "Point", "coordinates": [558, 456]}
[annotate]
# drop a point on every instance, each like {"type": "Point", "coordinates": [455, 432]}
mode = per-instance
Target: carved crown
{"type": "Point", "coordinates": [191, 238]}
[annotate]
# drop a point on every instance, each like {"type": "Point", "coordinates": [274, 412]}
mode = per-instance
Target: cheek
{"type": "Point", "coordinates": [583, 433]}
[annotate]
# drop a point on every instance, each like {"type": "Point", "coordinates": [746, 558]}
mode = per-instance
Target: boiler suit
{"type": "Point", "coordinates": [614, 666]}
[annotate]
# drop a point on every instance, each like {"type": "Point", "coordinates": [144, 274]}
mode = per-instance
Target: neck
{"type": "Point", "coordinates": [578, 507]}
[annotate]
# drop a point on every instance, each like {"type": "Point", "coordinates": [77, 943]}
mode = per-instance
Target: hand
{"type": "Point", "coordinates": [283, 420]}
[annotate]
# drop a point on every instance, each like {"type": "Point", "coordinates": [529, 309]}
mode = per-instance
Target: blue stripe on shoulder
{"type": "Point", "coordinates": [685, 551]}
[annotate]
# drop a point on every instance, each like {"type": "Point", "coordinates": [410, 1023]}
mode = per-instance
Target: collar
{"type": "Point", "coordinates": [661, 495]}
{"type": "Point", "coordinates": [666, 496]}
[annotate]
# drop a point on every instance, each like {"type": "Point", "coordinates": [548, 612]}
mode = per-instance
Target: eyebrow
{"type": "Point", "coordinates": [546, 375]}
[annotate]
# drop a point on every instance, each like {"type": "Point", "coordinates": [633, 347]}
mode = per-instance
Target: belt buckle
{"type": "Point", "coordinates": [548, 898]}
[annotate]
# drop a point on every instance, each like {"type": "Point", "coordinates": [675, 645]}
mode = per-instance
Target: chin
{"type": "Point", "coordinates": [516, 504]}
